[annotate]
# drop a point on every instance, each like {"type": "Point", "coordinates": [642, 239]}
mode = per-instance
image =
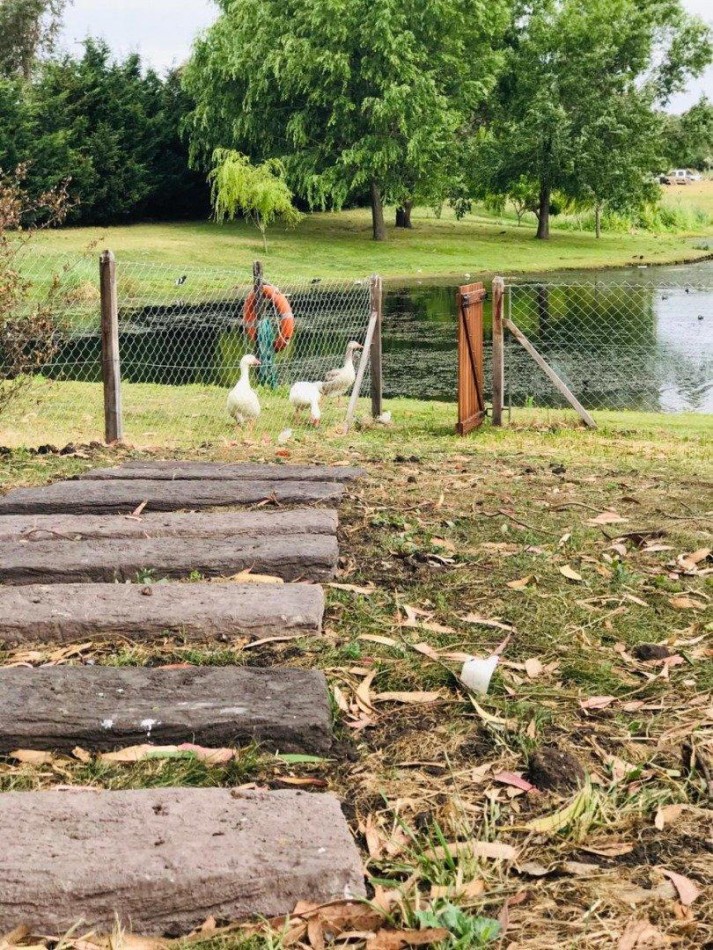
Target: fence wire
{"type": "Point", "coordinates": [617, 345]}
{"type": "Point", "coordinates": [183, 335]}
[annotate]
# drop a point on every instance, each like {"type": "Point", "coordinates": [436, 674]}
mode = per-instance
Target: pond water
{"type": "Point", "coordinates": [635, 338]}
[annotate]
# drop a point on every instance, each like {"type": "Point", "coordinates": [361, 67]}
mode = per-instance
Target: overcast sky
{"type": "Point", "coordinates": [163, 30]}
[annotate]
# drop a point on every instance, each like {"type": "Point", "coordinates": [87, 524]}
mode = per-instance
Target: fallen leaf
{"type": "Point", "coordinates": [32, 757]}
{"type": "Point", "coordinates": [597, 702]}
{"type": "Point", "coordinates": [533, 668]}
{"type": "Point", "coordinates": [533, 869]}
{"type": "Point", "coordinates": [640, 933]}
{"type": "Point", "coordinates": [606, 517]}
{"type": "Point", "coordinates": [689, 561]}
{"type": "Point", "coordinates": [138, 753]}
{"type": "Point", "coordinates": [561, 819]}
{"type": "Point", "coordinates": [247, 577]}
{"type": "Point", "coordinates": [570, 573]}
{"type": "Point", "coordinates": [375, 638]}
{"type": "Point", "coordinates": [486, 622]}
{"type": "Point", "coordinates": [81, 754]}
{"type": "Point", "coordinates": [488, 717]}
{"type": "Point", "coordinates": [613, 850]}
{"type": "Point", "coordinates": [398, 939]}
{"type": "Point", "coordinates": [354, 589]}
{"type": "Point", "coordinates": [686, 603]}
{"type": "Point", "coordinates": [520, 584]}
{"type": "Point", "coordinates": [301, 781]}
{"type": "Point", "coordinates": [687, 890]}
{"type": "Point", "coordinates": [363, 694]}
{"type": "Point", "coordinates": [415, 697]}
{"type": "Point", "coordinates": [666, 815]}
{"type": "Point", "coordinates": [515, 780]}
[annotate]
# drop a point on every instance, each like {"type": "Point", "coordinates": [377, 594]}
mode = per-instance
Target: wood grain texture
{"type": "Point", "coordinates": [164, 860]}
{"type": "Point", "coordinates": [57, 708]}
{"type": "Point", "coordinates": [298, 557]}
{"type": "Point", "coordinates": [229, 471]}
{"type": "Point", "coordinates": [39, 528]}
{"type": "Point", "coordinates": [199, 613]}
{"type": "Point", "coordinates": [124, 497]}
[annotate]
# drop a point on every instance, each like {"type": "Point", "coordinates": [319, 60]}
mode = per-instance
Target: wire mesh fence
{"type": "Point", "coordinates": [183, 335]}
{"type": "Point", "coordinates": [617, 344]}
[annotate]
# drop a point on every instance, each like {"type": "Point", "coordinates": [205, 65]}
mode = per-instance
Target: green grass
{"type": "Point", "coordinates": [339, 245]}
{"type": "Point", "coordinates": [493, 510]}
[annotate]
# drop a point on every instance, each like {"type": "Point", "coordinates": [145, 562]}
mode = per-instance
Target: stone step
{"type": "Point", "coordinates": [259, 524]}
{"type": "Point", "coordinates": [298, 557]}
{"type": "Point", "coordinates": [164, 860]}
{"type": "Point", "coordinates": [198, 612]}
{"type": "Point", "coordinates": [225, 471]}
{"type": "Point", "coordinates": [99, 708]}
{"type": "Point", "coordinates": [125, 496]}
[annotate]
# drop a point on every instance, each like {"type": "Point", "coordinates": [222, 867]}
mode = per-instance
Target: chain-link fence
{"type": "Point", "coordinates": [618, 344]}
{"type": "Point", "coordinates": [183, 336]}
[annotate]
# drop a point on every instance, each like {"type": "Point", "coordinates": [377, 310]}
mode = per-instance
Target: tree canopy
{"type": "Point", "coordinates": [575, 108]}
{"type": "Point", "coordinates": [353, 96]}
{"type": "Point", "coordinates": [110, 127]}
{"type": "Point", "coordinates": [27, 29]}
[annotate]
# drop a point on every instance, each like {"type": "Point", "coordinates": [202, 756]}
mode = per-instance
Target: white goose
{"type": "Point", "coordinates": [243, 403]}
{"type": "Point", "coordinates": [308, 396]}
{"type": "Point", "coordinates": [340, 381]}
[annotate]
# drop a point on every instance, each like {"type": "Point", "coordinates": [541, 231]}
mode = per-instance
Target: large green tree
{"type": "Point", "coordinates": [575, 109]}
{"type": "Point", "coordinates": [28, 28]}
{"type": "Point", "coordinates": [111, 128]}
{"type": "Point", "coordinates": [353, 96]}
{"type": "Point", "coordinates": [689, 137]}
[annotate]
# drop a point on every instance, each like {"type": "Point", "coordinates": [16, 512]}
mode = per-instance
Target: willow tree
{"type": "Point", "coordinates": [258, 192]}
{"type": "Point", "coordinates": [355, 97]}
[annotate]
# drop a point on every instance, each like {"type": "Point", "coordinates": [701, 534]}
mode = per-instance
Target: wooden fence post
{"type": "Point", "coordinates": [377, 385]}
{"type": "Point", "coordinates": [498, 350]}
{"type": "Point", "coordinates": [111, 362]}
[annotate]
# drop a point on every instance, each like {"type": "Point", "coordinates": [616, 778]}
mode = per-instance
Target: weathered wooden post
{"type": "Point", "coordinates": [377, 385]}
{"type": "Point", "coordinates": [111, 361]}
{"type": "Point", "coordinates": [498, 350]}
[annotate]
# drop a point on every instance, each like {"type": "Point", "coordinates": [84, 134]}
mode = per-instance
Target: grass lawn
{"type": "Point", "coordinates": [451, 543]}
{"type": "Point", "coordinates": [340, 245]}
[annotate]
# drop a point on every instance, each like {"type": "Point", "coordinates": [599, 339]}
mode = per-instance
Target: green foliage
{"type": "Point", "coordinates": [27, 29]}
{"type": "Point", "coordinates": [575, 110]}
{"type": "Point", "coordinates": [259, 192]}
{"type": "Point", "coordinates": [111, 128]}
{"type": "Point", "coordinates": [689, 137]}
{"type": "Point", "coordinates": [466, 931]}
{"type": "Point", "coordinates": [353, 96]}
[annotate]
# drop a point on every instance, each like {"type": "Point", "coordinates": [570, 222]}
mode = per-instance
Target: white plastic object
{"type": "Point", "coordinates": [476, 673]}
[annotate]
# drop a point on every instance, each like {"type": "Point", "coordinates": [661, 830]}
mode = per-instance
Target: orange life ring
{"type": "Point", "coordinates": [284, 311]}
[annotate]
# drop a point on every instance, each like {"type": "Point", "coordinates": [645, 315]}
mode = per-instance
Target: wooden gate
{"type": "Point", "coordinates": [471, 374]}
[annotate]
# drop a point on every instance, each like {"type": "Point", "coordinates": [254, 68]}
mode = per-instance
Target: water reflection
{"type": "Point", "coordinates": [621, 339]}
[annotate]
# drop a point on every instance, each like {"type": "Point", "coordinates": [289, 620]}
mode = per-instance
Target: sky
{"type": "Point", "coordinates": [163, 30]}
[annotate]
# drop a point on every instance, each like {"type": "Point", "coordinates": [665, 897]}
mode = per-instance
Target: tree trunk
{"type": "Point", "coordinates": [543, 215]}
{"type": "Point", "coordinates": [403, 215]}
{"type": "Point", "coordinates": [598, 219]}
{"type": "Point", "coordinates": [377, 213]}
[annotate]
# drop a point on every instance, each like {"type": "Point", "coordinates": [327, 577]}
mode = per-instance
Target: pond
{"type": "Point", "coordinates": [635, 338]}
